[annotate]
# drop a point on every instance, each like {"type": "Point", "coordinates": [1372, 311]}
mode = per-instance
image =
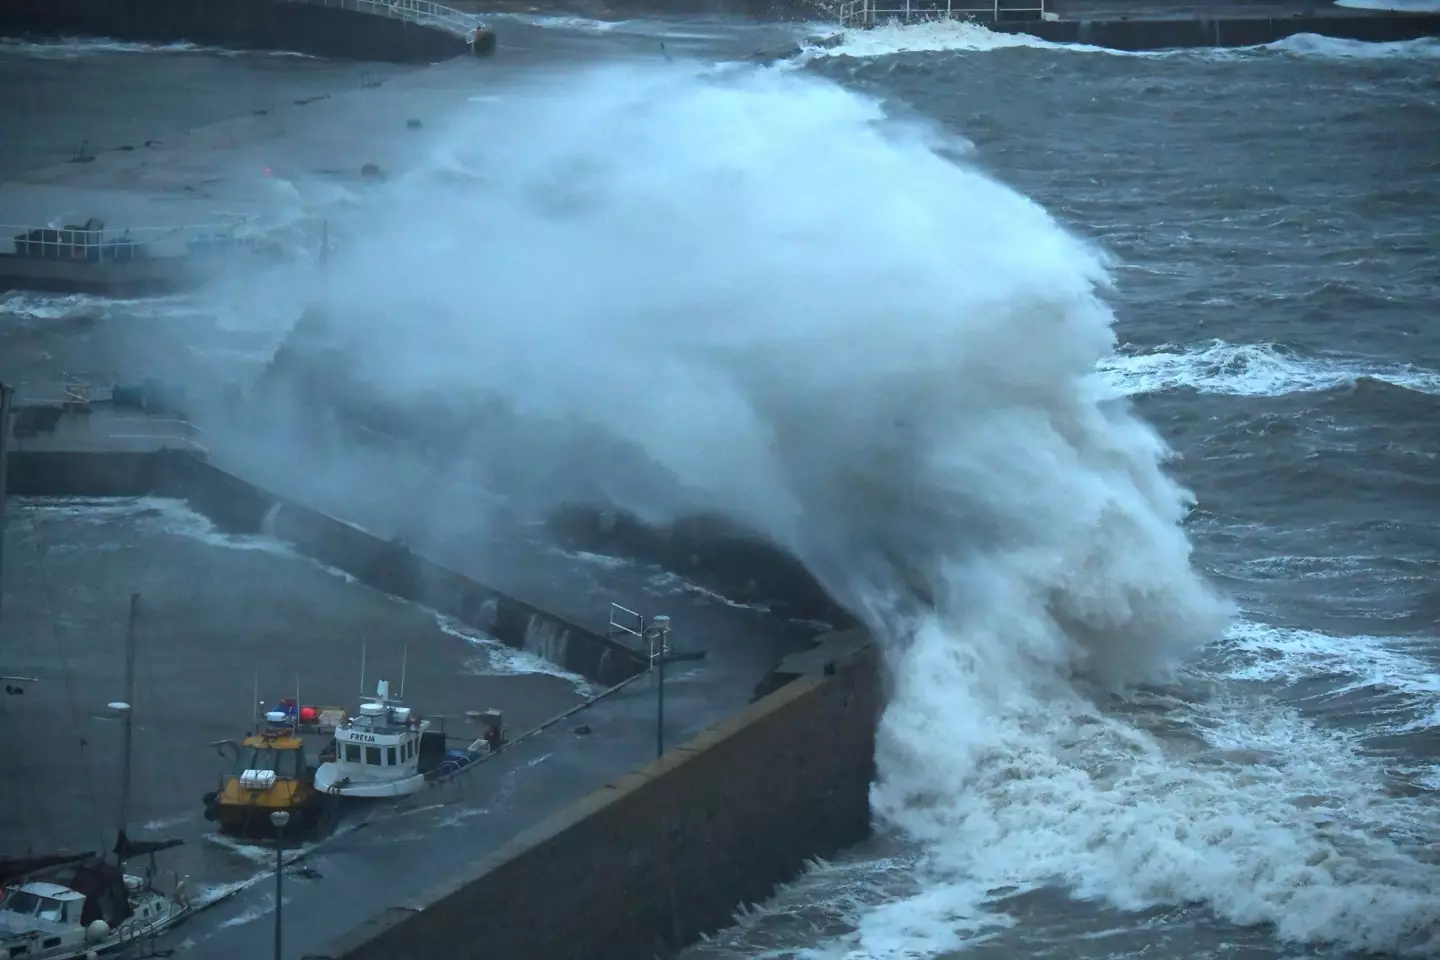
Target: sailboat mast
{"type": "Point", "coordinates": [129, 718]}
{"type": "Point", "coordinates": [5, 393]}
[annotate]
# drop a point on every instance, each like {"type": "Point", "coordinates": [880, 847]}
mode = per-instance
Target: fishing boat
{"type": "Point", "coordinates": [270, 772]}
{"type": "Point", "coordinates": [383, 751]}
{"type": "Point", "coordinates": [71, 907]}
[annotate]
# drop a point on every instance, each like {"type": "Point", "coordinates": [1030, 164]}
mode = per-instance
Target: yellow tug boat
{"type": "Point", "coordinates": [270, 772]}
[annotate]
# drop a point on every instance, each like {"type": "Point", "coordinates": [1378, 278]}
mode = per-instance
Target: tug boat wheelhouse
{"type": "Point", "coordinates": [270, 772]}
{"type": "Point", "coordinates": [385, 751]}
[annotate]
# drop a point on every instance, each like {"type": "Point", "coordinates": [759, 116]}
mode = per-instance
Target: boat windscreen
{"type": "Point", "coordinates": [285, 763]}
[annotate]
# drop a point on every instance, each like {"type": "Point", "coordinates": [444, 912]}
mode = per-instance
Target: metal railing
{"type": "Point", "coordinates": [868, 13]}
{"type": "Point", "coordinates": [94, 243]}
{"type": "Point", "coordinates": [416, 11]}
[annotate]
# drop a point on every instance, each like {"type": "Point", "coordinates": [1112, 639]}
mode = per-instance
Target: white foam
{"type": "Point", "coordinates": [1397, 6]}
{"type": "Point", "coordinates": [957, 36]}
{"type": "Point", "coordinates": [71, 48]}
{"type": "Point", "coordinates": [673, 583]}
{"type": "Point", "coordinates": [1249, 370]}
{"type": "Point", "coordinates": [502, 660]}
{"type": "Point", "coordinates": [1276, 822]}
{"type": "Point", "coordinates": [561, 22]}
{"type": "Point", "coordinates": [40, 306]}
{"type": "Point", "coordinates": [1334, 48]}
{"type": "Point", "coordinates": [936, 36]}
{"type": "Point", "coordinates": [1286, 656]}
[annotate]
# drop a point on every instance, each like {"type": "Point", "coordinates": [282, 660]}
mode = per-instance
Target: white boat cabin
{"type": "Point", "coordinates": [377, 753]}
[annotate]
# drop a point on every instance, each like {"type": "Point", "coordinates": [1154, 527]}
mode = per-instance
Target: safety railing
{"type": "Point", "coordinates": [416, 11]}
{"type": "Point", "coordinates": [868, 13]}
{"type": "Point", "coordinates": [93, 242]}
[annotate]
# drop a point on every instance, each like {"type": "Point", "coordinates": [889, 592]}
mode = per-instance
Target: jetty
{"type": "Point", "coordinates": [1152, 24]}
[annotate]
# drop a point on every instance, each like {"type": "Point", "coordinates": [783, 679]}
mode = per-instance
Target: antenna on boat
{"type": "Point", "coordinates": [404, 658]}
{"type": "Point", "coordinates": [255, 703]}
{"type": "Point", "coordinates": [295, 723]}
{"type": "Point", "coordinates": [363, 645]}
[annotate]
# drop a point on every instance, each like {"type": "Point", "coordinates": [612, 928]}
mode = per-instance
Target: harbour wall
{"type": "Point", "coordinates": [653, 860]}
{"type": "Point", "coordinates": [313, 29]}
{"type": "Point", "coordinates": [238, 506]}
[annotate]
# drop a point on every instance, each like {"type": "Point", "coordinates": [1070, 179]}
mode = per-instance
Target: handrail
{"type": "Point", "coordinates": [422, 12]}
{"type": "Point", "coordinates": [868, 13]}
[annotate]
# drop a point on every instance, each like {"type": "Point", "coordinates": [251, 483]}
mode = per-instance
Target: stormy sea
{"type": "Point", "coordinates": [1102, 387]}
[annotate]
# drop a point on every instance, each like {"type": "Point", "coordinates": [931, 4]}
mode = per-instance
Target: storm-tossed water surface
{"type": "Point", "coordinates": [1272, 216]}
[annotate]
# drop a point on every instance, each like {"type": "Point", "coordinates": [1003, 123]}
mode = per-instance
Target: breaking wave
{"type": "Point", "coordinates": [811, 318]}
{"type": "Point", "coordinates": [1250, 370]}
{"type": "Point", "coordinates": [955, 36]}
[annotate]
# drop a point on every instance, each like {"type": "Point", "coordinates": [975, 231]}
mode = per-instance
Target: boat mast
{"type": "Point", "coordinates": [129, 715]}
{"type": "Point", "coordinates": [5, 392]}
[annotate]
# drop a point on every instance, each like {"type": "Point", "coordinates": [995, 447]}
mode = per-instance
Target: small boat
{"type": "Point", "coordinates": [71, 907]}
{"type": "Point", "coordinates": [385, 751]}
{"type": "Point", "coordinates": [88, 907]}
{"type": "Point", "coordinates": [270, 773]}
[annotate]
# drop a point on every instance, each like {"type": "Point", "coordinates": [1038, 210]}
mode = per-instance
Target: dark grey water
{"type": "Point", "coordinates": [1273, 214]}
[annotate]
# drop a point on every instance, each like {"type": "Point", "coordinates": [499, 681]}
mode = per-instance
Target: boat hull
{"type": "Point", "coordinates": [329, 781]}
{"type": "Point", "coordinates": [249, 820]}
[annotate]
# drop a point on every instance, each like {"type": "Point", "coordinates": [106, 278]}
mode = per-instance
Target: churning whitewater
{"type": "Point", "coordinates": [827, 324]}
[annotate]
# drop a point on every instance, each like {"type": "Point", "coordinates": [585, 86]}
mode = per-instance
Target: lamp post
{"type": "Point", "coordinates": [659, 651]}
{"type": "Point", "coordinates": [279, 818]}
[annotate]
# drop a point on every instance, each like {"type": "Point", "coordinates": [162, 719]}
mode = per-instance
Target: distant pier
{"type": "Point", "coordinates": [1152, 25]}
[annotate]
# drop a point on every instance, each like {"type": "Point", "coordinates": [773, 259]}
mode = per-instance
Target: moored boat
{"type": "Point", "coordinates": [270, 773]}
{"type": "Point", "coordinates": [88, 907]}
{"type": "Point", "coordinates": [384, 751]}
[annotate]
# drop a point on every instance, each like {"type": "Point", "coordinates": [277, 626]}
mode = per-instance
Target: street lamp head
{"type": "Point", "coordinates": [280, 818]}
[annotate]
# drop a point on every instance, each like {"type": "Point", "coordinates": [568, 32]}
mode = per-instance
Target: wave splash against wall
{"type": "Point", "coordinates": [782, 305]}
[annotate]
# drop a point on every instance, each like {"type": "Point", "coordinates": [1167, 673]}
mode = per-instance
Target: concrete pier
{"type": "Point", "coordinates": [415, 31]}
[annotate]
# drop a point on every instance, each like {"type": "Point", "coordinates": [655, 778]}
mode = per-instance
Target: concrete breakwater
{"type": "Point", "coordinates": [311, 28]}
{"type": "Point", "coordinates": [651, 861]}
{"type": "Point", "coordinates": [237, 506]}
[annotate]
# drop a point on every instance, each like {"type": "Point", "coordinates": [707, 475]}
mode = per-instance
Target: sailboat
{"type": "Point", "coordinates": [71, 907]}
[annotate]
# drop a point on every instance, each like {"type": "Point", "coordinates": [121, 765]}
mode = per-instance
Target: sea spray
{"type": "Point", "coordinates": [752, 293]}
